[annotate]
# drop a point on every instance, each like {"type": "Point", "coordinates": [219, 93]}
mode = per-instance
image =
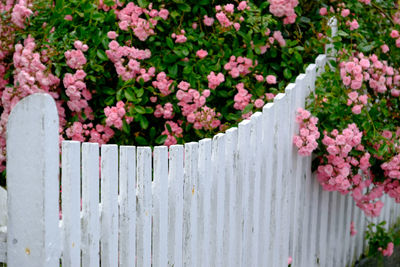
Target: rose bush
{"type": "Point", "coordinates": [356, 104]}
{"type": "Point", "coordinates": [148, 73]}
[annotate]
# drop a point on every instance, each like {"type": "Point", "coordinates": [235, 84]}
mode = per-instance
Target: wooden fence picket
{"type": "Point", "coordinates": [204, 203]}
{"type": "Point", "coordinates": [90, 205]}
{"type": "Point", "coordinates": [160, 207]}
{"type": "Point", "coordinates": [175, 208]}
{"type": "Point", "coordinates": [144, 207]}
{"type": "Point", "coordinates": [70, 200]}
{"type": "Point", "coordinates": [231, 236]}
{"type": "Point", "coordinates": [127, 210]}
{"type": "Point", "coordinates": [190, 188]}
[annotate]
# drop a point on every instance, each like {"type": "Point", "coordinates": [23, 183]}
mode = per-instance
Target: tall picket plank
{"type": "Point", "coordinates": [323, 212]}
{"type": "Point", "coordinates": [160, 207]}
{"type": "Point", "coordinates": [230, 234]}
{"type": "Point", "coordinates": [127, 210]}
{"type": "Point", "coordinates": [279, 203]}
{"type": "Point", "coordinates": [175, 206]}
{"type": "Point", "coordinates": [268, 234]}
{"type": "Point", "coordinates": [299, 208]}
{"type": "Point", "coordinates": [144, 206]}
{"type": "Point", "coordinates": [109, 203]}
{"type": "Point", "coordinates": [218, 198]}
{"type": "Point", "coordinates": [311, 78]}
{"type": "Point", "coordinates": [255, 186]}
{"type": "Point", "coordinates": [332, 228]}
{"type": "Point", "coordinates": [90, 205]}
{"type": "Point", "coordinates": [347, 237]}
{"type": "Point", "coordinates": [33, 190]}
{"type": "Point", "coordinates": [290, 90]}
{"type": "Point", "coordinates": [242, 186]}
{"type": "Point", "coordinates": [71, 203]}
{"type": "Point", "coordinates": [204, 203]}
{"type": "Point", "coordinates": [190, 188]}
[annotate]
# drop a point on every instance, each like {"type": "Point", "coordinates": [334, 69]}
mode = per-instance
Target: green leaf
{"type": "Point", "coordinates": [184, 7]}
{"type": "Point", "coordinates": [141, 140]}
{"type": "Point", "coordinates": [173, 71]}
{"type": "Point", "coordinates": [129, 94]}
{"type": "Point", "coordinates": [125, 127]}
{"type": "Point", "coordinates": [248, 108]}
{"type": "Point", "coordinates": [287, 73]}
{"type": "Point", "coordinates": [140, 109]}
{"type": "Point", "coordinates": [169, 42]}
{"type": "Point", "coordinates": [144, 123]}
{"type": "Point", "coordinates": [161, 139]}
{"type": "Point", "coordinates": [102, 55]}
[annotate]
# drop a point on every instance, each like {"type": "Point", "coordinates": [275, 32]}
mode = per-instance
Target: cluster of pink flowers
{"type": "Point", "coordinates": [86, 132]}
{"type": "Point", "coordinates": [306, 142]}
{"type": "Point", "coordinates": [242, 97]}
{"type": "Point", "coordinates": [392, 188]}
{"type": "Point", "coordinates": [126, 61]}
{"type": "Point", "coordinates": [193, 107]}
{"type": "Point", "coordinates": [167, 112]}
{"type": "Point", "coordinates": [336, 174]}
{"type": "Point", "coordinates": [208, 21]}
{"type": "Point", "coordinates": [163, 84]}
{"type": "Point", "coordinates": [239, 66]}
{"type": "Point", "coordinates": [20, 13]}
{"type": "Point", "coordinates": [388, 251]}
{"type": "Point", "coordinates": [206, 118]}
{"type": "Point", "coordinates": [380, 76]}
{"type": "Point", "coordinates": [130, 19]}
{"type": "Point", "coordinates": [175, 132]}
{"type": "Point", "coordinates": [76, 91]}
{"type": "Point", "coordinates": [74, 83]}
{"type": "Point", "coordinates": [215, 80]}
{"type": "Point", "coordinates": [179, 38]}
{"type": "Point", "coordinates": [75, 58]}
{"type": "Point", "coordinates": [116, 114]}
{"type": "Point", "coordinates": [358, 101]}
{"type": "Point", "coordinates": [284, 8]}
{"type": "Point", "coordinates": [353, 24]}
{"type": "Point", "coordinates": [201, 53]}
{"type": "Point", "coordinates": [392, 168]}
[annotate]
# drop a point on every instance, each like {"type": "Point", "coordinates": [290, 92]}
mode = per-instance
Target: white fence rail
{"type": "Point", "coordinates": [244, 198]}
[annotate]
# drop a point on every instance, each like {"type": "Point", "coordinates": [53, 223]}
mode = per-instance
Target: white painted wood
{"type": "Point", "coordinates": [144, 206]}
{"type": "Point", "coordinates": [331, 228]}
{"type": "Point", "coordinates": [175, 208]}
{"type": "Point", "coordinates": [255, 185]}
{"type": "Point", "coordinates": [300, 186]}
{"type": "Point", "coordinates": [33, 190]}
{"type": "Point", "coordinates": [204, 203]}
{"type": "Point", "coordinates": [323, 212]}
{"type": "Point", "coordinates": [3, 244]}
{"type": "Point", "coordinates": [71, 203]}
{"type": "Point", "coordinates": [190, 188]}
{"type": "Point", "coordinates": [127, 210]}
{"type": "Point", "coordinates": [90, 205]}
{"type": "Point", "coordinates": [217, 199]}
{"type": "Point", "coordinates": [230, 234]}
{"type": "Point", "coordinates": [160, 207]}
{"type": "Point", "coordinates": [109, 203]}
{"type": "Point", "coordinates": [243, 188]}
{"type": "Point", "coordinates": [267, 232]}
{"type": "Point", "coordinates": [320, 62]}
{"type": "Point", "coordinates": [3, 207]}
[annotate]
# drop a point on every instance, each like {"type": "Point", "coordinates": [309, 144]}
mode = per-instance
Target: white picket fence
{"type": "Point", "coordinates": [244, 198]}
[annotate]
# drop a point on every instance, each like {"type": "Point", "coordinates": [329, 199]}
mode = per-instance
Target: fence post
{"type": "Point", "coordinates": [32, 183]}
